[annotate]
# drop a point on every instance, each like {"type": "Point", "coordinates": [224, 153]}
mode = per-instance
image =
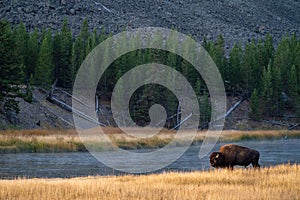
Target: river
{"type": "Point", "coordinates": [64, 165]}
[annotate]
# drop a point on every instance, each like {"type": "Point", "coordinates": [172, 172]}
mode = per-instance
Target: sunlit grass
{"type": "Point", "coordinates": [280, 182]}
{"type": "Point", "coordinates": [259, 135]}
{"type": "Point", "coordinates": [14, 141]}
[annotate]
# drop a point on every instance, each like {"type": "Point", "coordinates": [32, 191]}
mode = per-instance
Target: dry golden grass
{"type": "Point", "coordinates": [68, 140]}
{"type": "Point", "coordinates": [14, 141]}
{"type": "Point", "coordinates": [280, 182]}
{"type": "Point", "coordinates": [231, 135]}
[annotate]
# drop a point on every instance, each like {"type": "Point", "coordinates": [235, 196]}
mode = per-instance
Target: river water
{"type": "Point", "coordinates": [63, 165]}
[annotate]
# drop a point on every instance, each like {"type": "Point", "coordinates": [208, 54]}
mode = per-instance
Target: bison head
{"type": "Point", "coordinates": [217, 160]}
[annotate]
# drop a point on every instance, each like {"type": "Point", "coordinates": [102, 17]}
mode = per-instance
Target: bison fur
{"type": "Point", "coordinates": [230, 155]}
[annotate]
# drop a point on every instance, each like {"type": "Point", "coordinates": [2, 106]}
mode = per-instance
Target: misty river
{"type": "Point", "coordinates": [64, 165]}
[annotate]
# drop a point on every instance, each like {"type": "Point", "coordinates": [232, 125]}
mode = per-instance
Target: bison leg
{"type": "Point", "coordinates": [230, 167]}
{"type": "Point", "coordinates": [255, 164]}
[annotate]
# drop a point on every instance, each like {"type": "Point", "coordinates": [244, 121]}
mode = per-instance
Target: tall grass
{"type": "Point", "coordinates": [280, 182]}
{"type": "Point", "coordinates": [231, 135]}
{"type": "Point", "coordinates": [14, 141]}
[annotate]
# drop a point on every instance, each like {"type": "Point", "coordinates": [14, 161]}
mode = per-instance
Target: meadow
{"type": "Point", "coordinates": [39, 141]}
{"type": "Point", "coordinates": [279, 182]}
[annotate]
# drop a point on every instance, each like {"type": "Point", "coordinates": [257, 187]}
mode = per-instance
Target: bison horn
{"type": "Point", "coordinates": [217, 156]}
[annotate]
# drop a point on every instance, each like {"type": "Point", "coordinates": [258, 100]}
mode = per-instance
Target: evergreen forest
{"type": "Point", "coordinates": [265, 73]}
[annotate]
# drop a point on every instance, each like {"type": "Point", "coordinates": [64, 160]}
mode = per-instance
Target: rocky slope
{"type": "Point", "coordinates": [41, 114]}
{"type": "Point", "coordinates": [38, 114]}
{"type": "Point", "coordinates": [236, 20]}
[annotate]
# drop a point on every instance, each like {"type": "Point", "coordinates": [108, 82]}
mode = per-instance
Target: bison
{"type": "Point", "coordinates": [230, 155]}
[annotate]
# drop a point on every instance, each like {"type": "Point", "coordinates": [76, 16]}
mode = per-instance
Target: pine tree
{"type": "Point", "coordinates": [79, 50]}
{"type": "Point", "coordinates": [188, 50]}
{"type": "Point", "coordinates": [293, 47]}
{"type": "Point", "coordinates": [118, 101]}
{"type": "Point", "coordinates": [132, 57]}
{"type": "Point", "coordinates": [43, 34]}
{"type": "Point", "coordinates": [205, 43]}
{"type": "Point", "coordinates": [167, 98]}
{"type": "Point", "coordinates": [30, 60]}
{"type": "Point", "coordinates": [297, 66]}
{"type": "Point", "coordinates": [268, 47]}
{"type": "Point", "coordinates": [32, 53]}
{"type": "Point", "coordinates": [171, 58]}
{"type": "Point", "coordinates": [297, 107]}
{"type": "Point", "coordinates": [295, 51]}
{"type": "Point", "coordinates": [108, 78]}
{"type": "Point", "coordinates": [293, 90]}
{"type": "Point", "coordinates": [234, 68]}
{"type": "Point", "coordinates": [95, 38]}
{"type": "Point", "coordinates": [255, 106]}
{"type": "Point", "coordinates": [262, 60]}
{"type": "Point", "coordinates": [65, 70]}
{"type": "Point", "coordinates": [297, 62]}
{"type": "Point", "coordinates": [84, 36]}
{"type": "Point", "coordinates": [250, 68]}
{"type": "Point", "coordinates": [265, 50]}
{"type": "Point", "coordinates": [77, 55]}
{"type": "Point", "coordinates": [278, 102]}
{"type": "Point", "coordinates": [283, 60]}
{"type": "Point", "coordinates": [10, 69]}
{"type": "Point", "coordinates": [267, 91]}
{"type": "Point", "coordinates": [198, 88]}
{"type": "Point", "coordinates": [89, 45]}
{"type": "Point", "coordinates": [92, 42]}
{"type": "Point", "coordinates": [246, 69]}
{"type": "Point", "coordinates": [57, 56]}
{"type": "Point", "coordinates": [210, 48]}
{"type": "Point", "coordinates": [102, 35]}
{"type": "Point", "coordinates": [21, 40]}
{"type": "Point", "coordinates": [43, 75]}
{"type": "Point", "coordinates": [256, 69]}
{"type": "Point", "coordinates": [217, 53]}
{"type": "Point", "coordinates": [121, 64]}
{"type": "Point", "coordinates": [205, 110]}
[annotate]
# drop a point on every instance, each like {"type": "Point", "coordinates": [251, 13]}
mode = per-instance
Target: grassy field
{"type": "Point", "coordinates": [280, 182]}
{"type": "Point", "coordinates": [15, 141]}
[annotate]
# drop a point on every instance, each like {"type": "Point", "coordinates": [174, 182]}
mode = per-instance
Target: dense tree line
{"type": "Point", "coordinates": [269, 77]}
{"type": "Point", "coordinates": [10, 68]}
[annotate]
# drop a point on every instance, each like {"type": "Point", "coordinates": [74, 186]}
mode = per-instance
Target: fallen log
{"type": "Point", "coordinates": [71, 109]}
{"type": "Point", "coordinates": [294, 126]}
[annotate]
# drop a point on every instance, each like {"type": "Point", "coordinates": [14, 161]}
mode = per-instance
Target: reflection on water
{"type": "Point", "coordinates": [52, 165]}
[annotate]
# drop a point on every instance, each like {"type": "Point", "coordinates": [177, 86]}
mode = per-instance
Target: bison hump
{"type": "Point", "coordinates": [233, 148]}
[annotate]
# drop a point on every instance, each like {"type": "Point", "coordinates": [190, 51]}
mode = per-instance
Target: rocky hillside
{"type": "Point", "coordinates": [42, 114]}
{"type": "Point", "coordinates": [236, 20]}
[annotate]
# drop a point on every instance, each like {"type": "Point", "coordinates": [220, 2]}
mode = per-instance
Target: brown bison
{"type": "Point", "coordinates": [230, 155]}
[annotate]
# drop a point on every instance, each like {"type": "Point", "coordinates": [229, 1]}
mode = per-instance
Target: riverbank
{"type": "Point", "coordinates": [43, 141]}
{"type": "Point", "coordinates": [279, 182]}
